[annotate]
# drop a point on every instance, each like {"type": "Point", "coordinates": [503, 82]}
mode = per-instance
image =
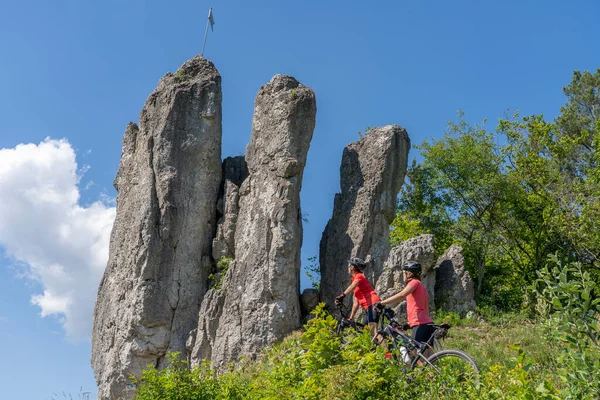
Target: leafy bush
{"type": "Point", "coordinates": [568, 299]}
{"type": "Point", "coordinates": [570, 296]}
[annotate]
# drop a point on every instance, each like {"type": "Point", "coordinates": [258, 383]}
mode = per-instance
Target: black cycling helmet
{"type": "Point", "coordinates": [357, 262]}
{"type": "Point", "coordinates": [411, 266]}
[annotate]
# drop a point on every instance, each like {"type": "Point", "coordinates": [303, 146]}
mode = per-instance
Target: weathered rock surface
{"type": "Point", "coordinates": [371, 175]}
{"type": "Point", "coordinates": [160, 249]}
{"type": "Point", "coordinates": [453, 284]}
{"type": "Point", "coordinates": [419, 249]}
{"type": "Point", "coordinates": [258, 302]}
{"type": "Point", "coordinates": [235, 171]}
{"type": "Point", "coordinates": [309, 299]}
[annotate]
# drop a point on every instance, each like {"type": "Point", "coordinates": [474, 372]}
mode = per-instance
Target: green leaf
{"type": "Point", "coordinates": [556, 304]}
{"type": "Point", "coordinates": [541, 388]}
{"type": "Point", "coordinates": [514, 347]}
{"type": "Point", "coordinates": [585, 295]}
{"type": "Point", "coordinates": [563, 278]}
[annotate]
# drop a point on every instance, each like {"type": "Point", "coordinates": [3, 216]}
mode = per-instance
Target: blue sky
{"type": "Point", "coordinates": [81, 70]}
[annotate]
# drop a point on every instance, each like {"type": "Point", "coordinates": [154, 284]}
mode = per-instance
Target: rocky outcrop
{"type": "Point", "coordinates": [309, 299]}
{"type": "Point", "coordinates": [258, 301]}
{"type": "Point", "coordinates": [371, 175]}
{"type": "Point", "coordinates": [419, 249]}
{"type": "Point", "coordinates": [453, 284]}
{"type": "Point", "coordinates": [235, 171]}
{"type": "Point", "coordinates": [160, 249]}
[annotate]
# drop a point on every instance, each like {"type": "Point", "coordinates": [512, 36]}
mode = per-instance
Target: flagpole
{"type": "Point", "coordinates": [205, 34]}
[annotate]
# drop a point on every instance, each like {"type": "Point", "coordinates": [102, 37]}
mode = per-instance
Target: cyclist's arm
{"type": "Point", "coordinates": [400, 296]}
{"type": "Point", "coordinates": [351, 288]}
{"type": "Point", "coordinates": [355, 306]}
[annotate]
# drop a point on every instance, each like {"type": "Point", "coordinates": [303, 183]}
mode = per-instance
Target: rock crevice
{"type": "Point", "coordinates": [235, 171]}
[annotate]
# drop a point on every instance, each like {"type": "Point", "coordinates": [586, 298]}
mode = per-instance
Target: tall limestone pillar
{"type": "Point", "coordinates": [160, 249]}
{"type": "Point", "coordinates": [371, 175]}
{"type": "Point", "coordinates": [258, 301]}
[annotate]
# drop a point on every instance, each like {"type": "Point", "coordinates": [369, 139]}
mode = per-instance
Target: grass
{"type": "Point", "coordinates": [491, 344]}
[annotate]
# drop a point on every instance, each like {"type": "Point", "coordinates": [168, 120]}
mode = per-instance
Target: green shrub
{"type": "Point", "coordinates": [568, 299]}
{"type": "Point", "coordinates": [179, 75]}
{"type": "Point", "coordinates": [216, 279]}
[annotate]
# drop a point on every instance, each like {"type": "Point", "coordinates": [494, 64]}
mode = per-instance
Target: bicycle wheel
{"type": "Point", "coordinates": [454, 369]}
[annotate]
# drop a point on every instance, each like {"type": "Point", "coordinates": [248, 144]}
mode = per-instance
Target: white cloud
{"type": "Point", "coordinates": [62, 245]}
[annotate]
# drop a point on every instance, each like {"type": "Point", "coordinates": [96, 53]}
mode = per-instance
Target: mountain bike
{"type": "Point", "coordinates": [434, 343]}
{"type": "Point", "coordinates": [453, 366]}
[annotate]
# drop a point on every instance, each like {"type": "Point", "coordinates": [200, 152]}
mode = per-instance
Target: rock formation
{"type": "Point", "coordinates": [309, 299]}
{"type": "Point", "coordinates": [419, 249]}
{"type": "Point", "coordinates": [160, 249]}
{"type": "Point", "coordinates": [453, 284]}
{"type": "Point", "coordinates": [258, 301]}
{"type": "Point", "coordinates": [371, 175]}
{"type": "Point", "coordinates": [235, 171]}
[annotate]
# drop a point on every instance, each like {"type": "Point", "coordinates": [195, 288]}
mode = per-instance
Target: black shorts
{"type": "Point", "coordinates": [372, 315]}
{"type": "Point", "coordinates": [422, 333]}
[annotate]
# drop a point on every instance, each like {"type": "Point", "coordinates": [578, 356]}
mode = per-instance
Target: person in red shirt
{"type": "Point", "coordinates": [417, 308]}
{"type": "Point", "coordinates": [364, 295]}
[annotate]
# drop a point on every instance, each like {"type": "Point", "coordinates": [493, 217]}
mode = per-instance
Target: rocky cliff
{"type": "Point", "coordinates": [258, 301]}
{"type": "Point", "coordinates": [160, 249]}
{"type": "Point", "coordinates": [371, 175]}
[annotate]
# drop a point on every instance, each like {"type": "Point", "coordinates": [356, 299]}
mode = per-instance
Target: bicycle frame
{"type": "Point", "coordinates": [394, 331]}
{"type": "Point", "coordinates": [344, 321]}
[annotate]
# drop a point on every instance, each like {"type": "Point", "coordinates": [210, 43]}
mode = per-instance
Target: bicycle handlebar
{"type": "Point", "coordinates": [342, 309]}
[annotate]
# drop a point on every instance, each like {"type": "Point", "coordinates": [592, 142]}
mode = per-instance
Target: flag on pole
{"type": "Point", "coordinates": [210, 22]}
{"type": "Point", "coordinates": [210, 19]}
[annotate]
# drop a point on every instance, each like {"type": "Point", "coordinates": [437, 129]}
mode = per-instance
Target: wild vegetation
{"type": "Point", "coordinates": [554, 356]}
{"type": "Point", "coordinates": [512, 196]}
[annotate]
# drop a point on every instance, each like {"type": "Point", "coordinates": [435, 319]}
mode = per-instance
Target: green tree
{"type": "Point", "coordinates": [421, 209]}
{"type": "Point", "coordinates": [531, 177]}
{"type": "Point", "coordinates": [456, 191]}
{"type": "Point", "coordinates": [577, 149]}
{"type": "Point", "coordinates": [558, 163]}
{"type": "Point", "coordinates": [511, 205]}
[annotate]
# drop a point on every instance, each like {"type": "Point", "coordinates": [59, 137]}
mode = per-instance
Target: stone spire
{"type": "Point", "coordinates": [160, 249]}
{"type": "Point", "coordinates": [371, 175]}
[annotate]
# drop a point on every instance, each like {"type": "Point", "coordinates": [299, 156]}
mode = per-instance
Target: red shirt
{"type": "Point", "coordinates": [417, 307]}
{"type": "Point", "coordinates": [364, 293]}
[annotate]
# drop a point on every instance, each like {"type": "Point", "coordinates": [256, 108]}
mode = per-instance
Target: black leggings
{"type": "Point", "coordinates": [372, 315]}
{"type": "Point", "coordinates": [422, 333]}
